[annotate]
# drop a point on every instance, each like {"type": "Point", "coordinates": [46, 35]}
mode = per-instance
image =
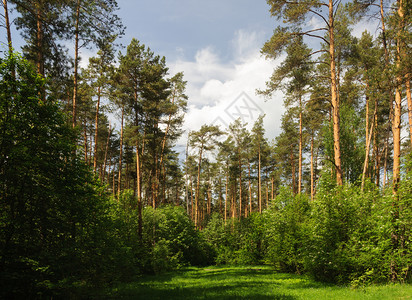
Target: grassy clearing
{"type": "Point", "coordinates": [245, 283]}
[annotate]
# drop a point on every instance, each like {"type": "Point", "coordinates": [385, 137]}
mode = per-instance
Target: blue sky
{"type": "Point", "coordinates": [181, 27]}
{"type": "Point", "coordinates": [217, 46]}
{"type": "Point", "coordinates": [216, 43]}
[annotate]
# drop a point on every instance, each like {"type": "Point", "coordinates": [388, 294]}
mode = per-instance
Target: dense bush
{"type": "Point", "coordinates": [287, 231]}
{"type": "Point", "coordinates": [236, 242]}
{"type": "Point", "coordinates": [52, 210]}
{"type": "Point", "coordinates": [345, 235]}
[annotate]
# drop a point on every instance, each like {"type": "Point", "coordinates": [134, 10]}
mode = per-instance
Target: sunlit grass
{"type": "Point", "coordinates": [259, 282]}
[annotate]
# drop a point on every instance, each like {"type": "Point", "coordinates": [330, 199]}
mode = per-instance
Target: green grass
{"type": "Point", "coordinates": [245, 283]}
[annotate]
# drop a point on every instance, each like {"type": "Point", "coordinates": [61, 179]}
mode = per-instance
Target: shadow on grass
{"type": "Point", "coordinates": [226, 283]}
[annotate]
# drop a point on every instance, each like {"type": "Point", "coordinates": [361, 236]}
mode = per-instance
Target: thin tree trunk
{"type": "Point", "coordinates": [96, 130]}
{"type": "Point", "coordinates": [105, 152]}
{"type": "Point", "coordinates": [312, 171]}
{"type": "Point", "coordinates": [227, 187]}
{"type": "Point", "coordinates": [198, 187]}
{"type": "Point", "coordinates": [378, 154]}
{"type": "Point", "coordinates": [292, 162]}
{"type": "Point", "coordinates": [385, 167]}
{"type": "Point", "coordinates": [272, 180]}
{"type": "Point", "coordinates": [250, 190]}
{"type": "Point", "coordinates": [409, 97]}
{"type": "Point", "coordinates": [335, 99]}
{"type": "Point", "coordinates": [366, 161]}
{"type": "Point", "coordinates": [7, 23]}
{"type": "Point", "coordinates": [259, 183]}
{"type": "Point", "coordinates": [191, 198]}
{"type": "Point", "coordinates": [187, 176]}
{"type": "Point", "coordinates": [139, 192]}
{"type": "Point", "coordinates": [85, 143]}
{"type": "Point", "coordinates": [300, 145]}
{"type": "Point", "coordinates": [76, 62]}
{"type": "Point", "coordinates": [39, 45]}
{"type": "Point", "coordinates": [240, 185]}
{"type": "Point", "coordinates": [121, 153]}
{"type": "Point", "coordinates": [209, 197]}
{"type": "Point", "coordinates": [114, 185]}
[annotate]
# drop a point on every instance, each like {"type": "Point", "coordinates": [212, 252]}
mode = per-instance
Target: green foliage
{"type": "Point", "coordinates": [352, 146]}
{"type": "Point", "coordinates": [52, 210]}
{"type": "Point", "coordinates": [237, 242]}
{"type": "Point", "coordinates": [171, 239]}
{"type": "Point", "coordinates": [287, 231]}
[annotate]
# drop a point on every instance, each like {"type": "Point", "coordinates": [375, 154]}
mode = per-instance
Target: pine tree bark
{"type": "Point", "coordinates": [409, 98]}
{"type": "Point", "coordinates": [119, 184]}
{"type": "Point", "coordinates": [198, 187]}
{"type": "Point", "coordinates": [76, 62]}
{"type": "Point", "coordinates": [292, 162]}
{"type": "Point", "coordinates": [227, 190]}
{"type": "Point", "coordinates": [240, 185]}
{"type": "Point", "coordinates": [96, 130]}
{"type": "Point", "coordinates": [7, 24]}
{"type": "Point", "coordinates": [312, 170]}
{"type": "Point", "coordinates": [85, 143]}
{"type": "Point", "coordinates": [103, 173]}
{"type": "Point", "coordinates": [366, 161]}
{"type": "Point", "coordinates": [259, 183]}
{"type": "Point", "coordinates": [139, 193]}
{"type": "Point", "coordinates": [396, 129]}
{"type": "Point", "coordinates": [335, 98]}
{"type": "Point", "coordinates": [300, 145]}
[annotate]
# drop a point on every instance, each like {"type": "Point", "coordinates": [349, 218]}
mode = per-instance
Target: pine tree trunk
{"type": "Point", "coordinates": [39, 45]}
{"type": "Point", "coordinates": [191, 198]}
{"type": "Point", "coordinates": [139, 193]}
{"type": "Point", "coordinates": [7, 23]}
{"type": "Point", "coordinates": [187, 177]}
{"type": "Point", "coordinates": [85, 143]}
{"type": "Point", "coordinates": [312, 171]}
{"type": "Point", "coordinates": [366, 161]}
{"type": "Point", "coordinates": [292, 163]}
{"type": "Point", "coordinates": [396, 126]}
{"type": "Point", "coordinates": [198, 187]}
{"type": "Point", "coordinates": [396, 129]}
{"type": "Point", "coordinates": [335, 98]}
{"type": "Point", "coordinates": [259, 184]}
{"type": "Point", "coordinates": [409, 97]}
{"type": "Point", "coordinates": [227, 189]}
{"type": "Point", "coordinates": [378, 154]}
{"type": "Point", "coordinates": [96, 130]}
{"type": "Point", "coordinates": [121, 153]}
{"type": "Point", "coordinates": [240, 185]}
{"type": "Point", "coordinates": [272, 180]}
{"type": "Point", "coordinates": [105, 153]}
{"type": "Point", "coordinates": [250, 190]}
{"type": "Point", "coordinates": [76, 62]}
{"type": "Point", "coordinates": [300, 146]}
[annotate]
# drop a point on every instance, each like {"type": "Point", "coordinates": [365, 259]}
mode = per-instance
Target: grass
{"type": "Point", "coordinates": [245, 283]}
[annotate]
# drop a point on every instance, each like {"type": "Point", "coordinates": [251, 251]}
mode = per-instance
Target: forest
{"type": "Point", "coordinates": [83, 204]}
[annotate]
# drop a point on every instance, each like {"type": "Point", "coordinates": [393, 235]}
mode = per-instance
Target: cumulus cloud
{"type": "Point", "coordinates": [220, 91]}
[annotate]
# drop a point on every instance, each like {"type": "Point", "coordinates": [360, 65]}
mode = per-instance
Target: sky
{"type": "Point", "coordinates": [216, 43]}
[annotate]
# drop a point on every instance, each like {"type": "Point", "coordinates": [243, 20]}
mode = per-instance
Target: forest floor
{"type": "Point", "coordinates": [254, 282]}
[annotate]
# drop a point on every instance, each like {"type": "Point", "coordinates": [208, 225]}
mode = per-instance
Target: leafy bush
{"type": "Point", "coordinates": [287, 231]}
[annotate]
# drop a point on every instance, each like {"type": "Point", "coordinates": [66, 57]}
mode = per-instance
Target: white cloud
{"type": "Point", "coordinates": [364, 25]}
{"type": "Point", "coordinates": [218, 91]}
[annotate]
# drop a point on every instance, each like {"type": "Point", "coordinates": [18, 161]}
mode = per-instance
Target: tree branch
{"type": "Point", "coordinates": [320, 16]}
